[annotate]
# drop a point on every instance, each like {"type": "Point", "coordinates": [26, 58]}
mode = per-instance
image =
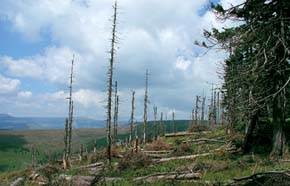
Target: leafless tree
{"type": "Point", "coordinates": [145, 107]}
{"type": "Point", "coordinates": [110, 82]}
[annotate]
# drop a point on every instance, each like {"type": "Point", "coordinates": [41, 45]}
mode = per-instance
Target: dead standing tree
{"type": "Point", "coordinates": [65, 156]}
{"type": "Point", "coordinates": [214, 108]}
{"type": "Point", "coordinates": [211, 107]}
{"type": "Point", "coordinates": [132, 117]}
{"type": "Point", "coordinates": [69, 120]}
{"type": "Point", "coordinates": [155, 122]}
{"type": "Point", "coordinates": [33, 158]}
{"type": "Point", "coordinates": [110, 82]}
{"type": "Point", "coordinates": [145, 107]}
{"type": "Point", "coordinates": [161, 125]}
{"type": "Point", "coordinates": [173, 124]}
{"type": "Point", "coordinates": [116, 110]}
{"type": "Point", "coordinates": [192, 120]}
{"type": "Point", "coordinates": [202, 109]}
{"type": "Point", "coordinates": [196, 109]}
{"type": "Point", "coordinates": [70, 130]}
{"type": "Point", "coordinates": [218, 107]}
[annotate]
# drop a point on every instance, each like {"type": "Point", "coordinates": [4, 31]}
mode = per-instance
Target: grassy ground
{"type": "Point", "coordinates": [15, 146]}
{"type": "Point", "coordinates": [217, 169]}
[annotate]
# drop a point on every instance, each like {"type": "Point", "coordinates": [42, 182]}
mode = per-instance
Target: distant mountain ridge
{"type": "Point", "coordinates": [8, 122]}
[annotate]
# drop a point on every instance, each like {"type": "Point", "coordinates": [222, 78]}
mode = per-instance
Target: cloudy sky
{"type": "Point", "coordinates": [39, 38]}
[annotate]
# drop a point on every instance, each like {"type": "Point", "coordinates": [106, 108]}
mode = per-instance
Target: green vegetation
{"type": "Point", "coordinates": [15, 145]}
{"type": "Point", "coordinates": [217, 168]}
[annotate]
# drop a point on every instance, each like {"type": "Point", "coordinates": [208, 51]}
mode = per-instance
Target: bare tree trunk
{"type": "Point", "coordinates": [173, 124]}
{"type": "Point", "coordinates": [81, 152]}
{"type": "Point", "coordinates": [214, 108]}
{"type": "Point", "coordinates": [132, 117]}
{"type": "Point", "coordinates": [192, 119]}
{"type": "Point", "coordinates": [33, 157]}
{"type": "Point", "coordinates": [110, 82]}
{"type": "Point", "coordinates": [161, 125]}
{"type": "Point", "coordinates": [196, 109]}
{"type": "Point", "coordinates": [211, 108]}
{"type": "Point", "coordinates": [116, 111]}
{"type": "Point", "coordinates": [218, 108]}
{"type": "Point", "coordinates": [68, 130]}
{"type": "Point", "coordinates": [145, 107]}
{"type": "Point", "coordinates": [222, 109]}
{"type": "Point", "coordinates": [202, 109]}
{"type": "Point", "coordinates": [66, 140]}
{"type": "Point", "coordinates": [135, 146]}
{"type": "Point", "coordinates": [155, 122]}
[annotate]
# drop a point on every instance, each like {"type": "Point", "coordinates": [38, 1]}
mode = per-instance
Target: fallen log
{"type": "Point", "coordinates": [18, 182]}
{"type": "Point", "coordinates": [157, 152]}
{"type": "Point", "coordinates": [156, 155]}
{"type": "Point", "coordinates": [259, 174]}
{"type": "Point", "coordinates": [160, 176]}
{"type": "Point", "coordinates": [195, 155]}
{"type": "Point", "coordinates": [185, 133]}
{"type": "Point", "coordinates": [203, 140]}
{"type": "Point", "coordinates": [152, 178]}
{"type": "Point", "coordinates": [182, 157]}
{"type": "Point", "coordinates": [98, 164]}
{"type": "Point", "coordinates": [284, 161]}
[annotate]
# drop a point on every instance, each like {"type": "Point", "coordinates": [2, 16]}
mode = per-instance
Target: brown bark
{"type": "Point", "coordinates": [249, 135]}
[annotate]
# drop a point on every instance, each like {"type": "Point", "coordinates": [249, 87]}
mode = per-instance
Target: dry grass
{"type": "Point", "coordinates": [158, 145]}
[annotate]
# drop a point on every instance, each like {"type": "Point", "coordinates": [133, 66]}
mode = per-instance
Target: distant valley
{"type": "Point", "coordinates": [8, 122]}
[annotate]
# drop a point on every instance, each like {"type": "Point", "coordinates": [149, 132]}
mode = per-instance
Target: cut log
{"type": "Point", "coordinates": [186, 133]}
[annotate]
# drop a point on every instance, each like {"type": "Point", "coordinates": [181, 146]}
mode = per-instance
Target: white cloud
{"type": "Point", "coordinates": [8, 85]}
{"type": "Point", "coordinates": [22, 67]}
{"type": "Point", "coordinates": [157, 35]}
{"type": "Point", "coordinates": [182, 63]}
{"type": "Point", "coordinates": [88, 97]}
{"type": "Point", "coordinates": [24, 94]}
{"type": "Point", "coordinates": [53, 65]}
